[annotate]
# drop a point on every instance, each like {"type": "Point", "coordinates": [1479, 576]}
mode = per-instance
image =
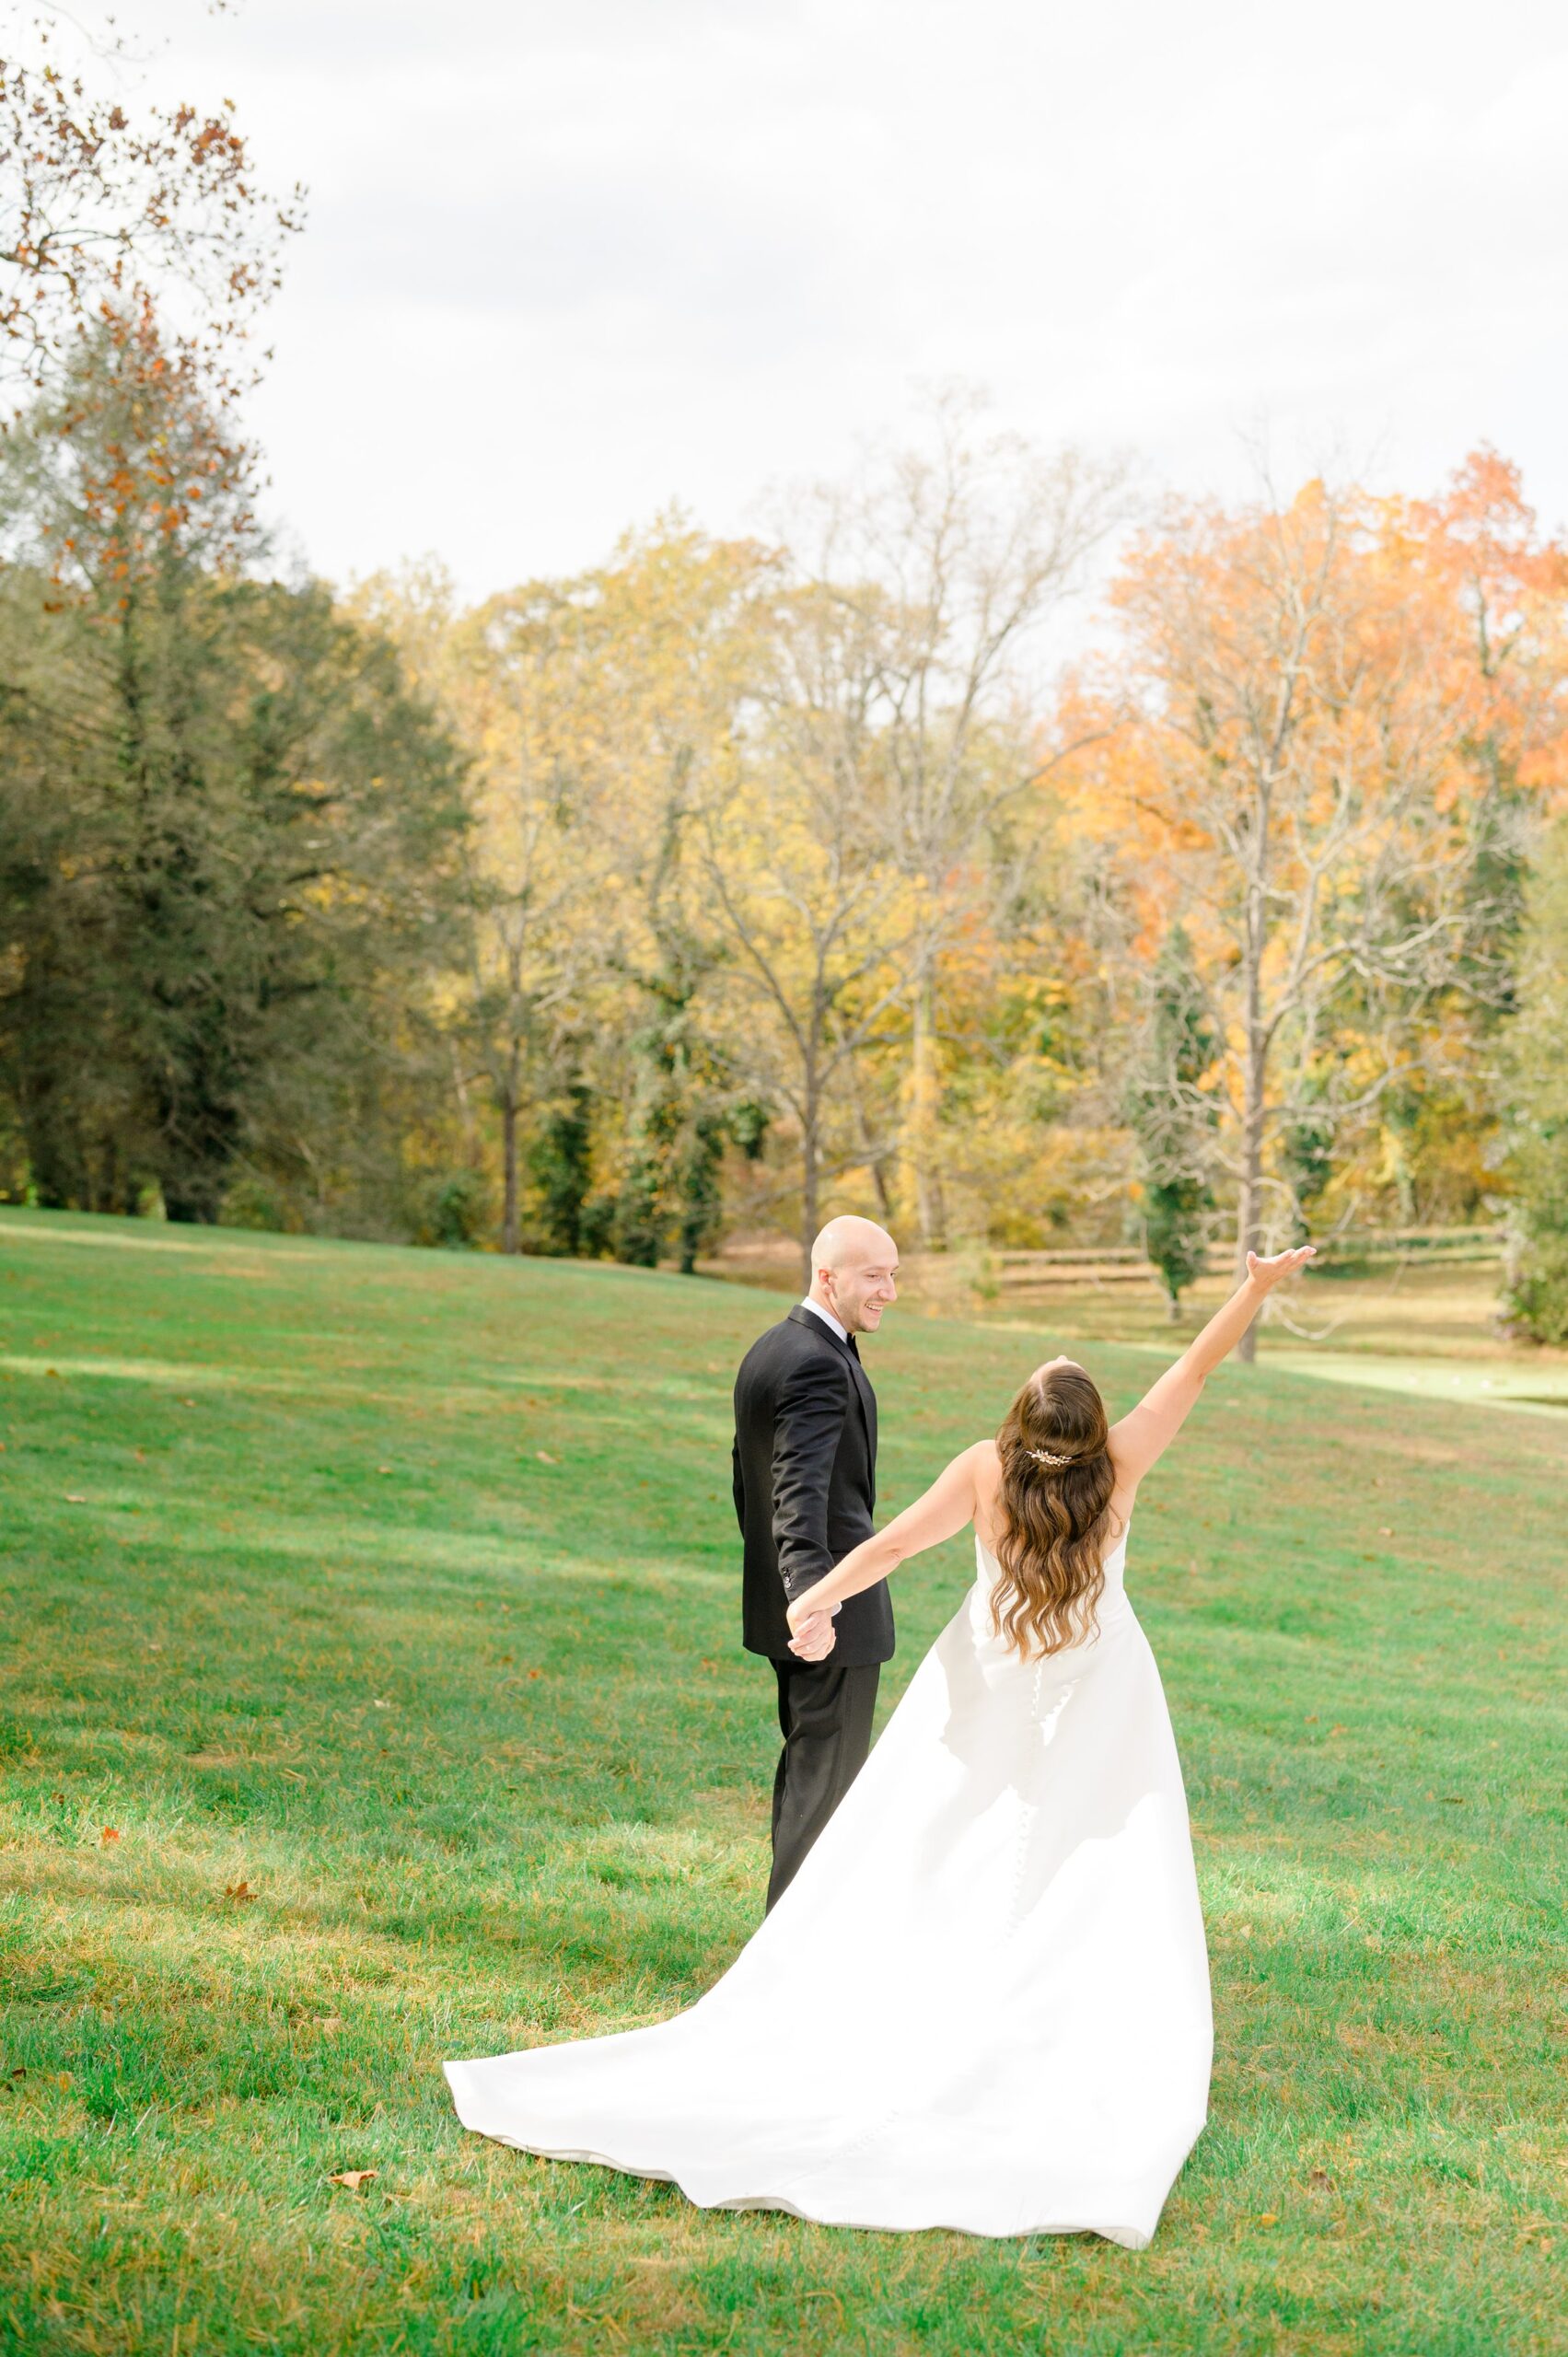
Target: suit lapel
{"type": "Point", "coordinates": [801, 1316]}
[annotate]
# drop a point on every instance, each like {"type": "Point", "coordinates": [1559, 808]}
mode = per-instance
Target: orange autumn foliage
{"type": "Point", "coordinates": [1320, 735]}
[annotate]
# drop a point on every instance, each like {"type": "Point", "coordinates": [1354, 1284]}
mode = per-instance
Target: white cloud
{"type": "Point", "coordinates": [564, 266]}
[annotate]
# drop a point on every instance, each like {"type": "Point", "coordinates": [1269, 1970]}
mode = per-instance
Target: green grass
{"type": "Point", "coordinates": [401, 1589]}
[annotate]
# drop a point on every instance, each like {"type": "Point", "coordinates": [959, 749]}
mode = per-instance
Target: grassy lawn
{"type": "Point", "coordinates": [373, 1692]}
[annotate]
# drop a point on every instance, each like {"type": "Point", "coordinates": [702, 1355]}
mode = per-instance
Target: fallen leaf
{"type": "Point", "coordinates": [20, 2072]}
{"type": "Point", "coordinates": [545, 1457]}
{"type": "Point", "coordinates": [536, 1673]}
{"type": "Point", "coordinates": [380, 1703]}
{"type": "Point", "coordinates": [1320, 2176]}
{"type": "Point", "coordinates": [239, 1892]}
{"type": "Point", "coordinates": [1385, 1532]}
{"type": "Point", "coordinates": [383, 1469]}
{"type": "Point", "coordinates": [353, 2179]}
{"type": "Point", "coordinates": [75, 1498]}
{"type": "Point", "coordinates": [109, 1833]}
{"type": "Point", "coordinates": [1269, 2218]}
{"type": "Point", "coordinates": [187, 1403]}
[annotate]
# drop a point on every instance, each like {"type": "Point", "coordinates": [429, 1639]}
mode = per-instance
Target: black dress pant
{"type": "Point", "coordinates": [825, 1719]}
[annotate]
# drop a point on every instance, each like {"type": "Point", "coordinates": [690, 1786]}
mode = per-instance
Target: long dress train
{"type": "Point", "coordinates": [1000, 1936]}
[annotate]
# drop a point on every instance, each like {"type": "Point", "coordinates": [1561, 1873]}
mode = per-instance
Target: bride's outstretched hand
{"type": "Point", "coordinates": [1268, 1272]}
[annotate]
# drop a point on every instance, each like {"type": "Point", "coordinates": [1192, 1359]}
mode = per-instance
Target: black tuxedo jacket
{"type": "Point", "coordinates": [806, 1484]}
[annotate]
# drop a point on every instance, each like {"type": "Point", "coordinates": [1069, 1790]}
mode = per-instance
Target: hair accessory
{"type": "Point", "coordinates": [1044, 1456]}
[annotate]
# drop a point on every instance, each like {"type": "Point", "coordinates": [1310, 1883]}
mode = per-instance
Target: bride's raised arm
{"type": "Point", "coordinates": [944, 1510]}
{"type": "Point", "coordinates": [1142, 1436]}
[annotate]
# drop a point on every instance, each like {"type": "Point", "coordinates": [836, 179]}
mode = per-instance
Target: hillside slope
{"type": "Point", "coordinates": [373, 1691]}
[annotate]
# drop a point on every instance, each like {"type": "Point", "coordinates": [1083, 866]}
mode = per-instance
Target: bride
{"type": "Point", "coordinates": [983, 2002]}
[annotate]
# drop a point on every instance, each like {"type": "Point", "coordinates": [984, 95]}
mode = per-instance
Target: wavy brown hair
{"type": "Point", "coordinates": [1055, 1519]}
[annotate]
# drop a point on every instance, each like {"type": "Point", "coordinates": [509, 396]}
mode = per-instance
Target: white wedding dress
{"type": "Point", "coordinates": [999, 1939]}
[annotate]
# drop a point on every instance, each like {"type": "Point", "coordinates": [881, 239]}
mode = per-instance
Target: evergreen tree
{"type": "Point", "coordinates": [224, 878]}
{"type": "Point", "coordinates": [1308, 1148]}
{"type": "Point", "coordinates": [1537, 1071]}
{"type": "Point", "coordinates": [561, 1165]}
{"type": "Point", "coordinates": [686, 1106]}
{"type": "Point", "coordinates": [677, 1142]}
{"type": "Point", "coordinates": [1174, 1121]}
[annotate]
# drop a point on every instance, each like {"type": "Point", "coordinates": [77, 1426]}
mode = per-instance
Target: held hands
{"type": "Point", "coordinates": [812, 1634]}
{"type": "Point", "coordinates": [1266, 1274]}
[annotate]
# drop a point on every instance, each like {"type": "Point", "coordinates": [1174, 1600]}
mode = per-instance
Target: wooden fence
{"type": "Point", "coordinates": [1095, 1264]}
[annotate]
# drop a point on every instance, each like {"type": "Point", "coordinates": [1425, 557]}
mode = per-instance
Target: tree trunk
{"type": "Point", "coordinates": [511, 1092]}
{"type": "Point", "coordinates": [810, 1200]}
{"type": "Point", "coordinates": [511, 1230]}
{"type": "Point", "coordinates": [884, 1195]}
{"type": "Point", "coordinates": [465, 1106]}
{"type": "Point", "coordinates": [931, 1218]}
{"type": "Point", "coordinates": [1249, 1208]}
{"type": "Point", "coordinates": [875, 1159]}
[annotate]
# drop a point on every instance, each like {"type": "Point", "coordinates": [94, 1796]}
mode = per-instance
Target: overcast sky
{"type": "Point", "coordinates": [569, 262]}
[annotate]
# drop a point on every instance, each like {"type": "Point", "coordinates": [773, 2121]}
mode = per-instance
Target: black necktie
{"type": "Point", "coordinates": [853, 1352]}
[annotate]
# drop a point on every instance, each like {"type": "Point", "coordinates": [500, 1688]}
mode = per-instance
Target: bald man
{"type": "Point", "coordinates": [804, 1488]}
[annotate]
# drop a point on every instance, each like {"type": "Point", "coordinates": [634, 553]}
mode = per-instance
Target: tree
{"type": "Point", "coordinates": [950, 560]}
{"type": "Point", "coordinates": [1494, 590]}
{"type": "Point", "coordinates": [112, 210]}
{"type": "Point", "coordinates": [793, 832]}
{"type": "Point", "coordinates": [685, 1096]}
{"type": "Point", "coordinates": [683, 630]}
{"type": "Point", "coordinates": [239, 827]}
{"type": "Point", "coordinates": [1174, 1120]}
{"type": "Point", "coordinates": [1291, 770]}
{"type": "Point", "coordinates": [1536, 1072]}
{"type": "Point", "coordinates": [523, 661]}
{"type": "Point", "coordinates": [585, 707]}
{"type": "Point", "coordinates": [560, 1165]}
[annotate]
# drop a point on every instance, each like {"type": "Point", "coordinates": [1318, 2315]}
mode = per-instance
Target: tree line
{"type": "Point", "coordinates": [736, 880]}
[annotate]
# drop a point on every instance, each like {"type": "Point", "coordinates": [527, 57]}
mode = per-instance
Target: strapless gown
{"type": "Point", "coordinates": [1000, 1940]}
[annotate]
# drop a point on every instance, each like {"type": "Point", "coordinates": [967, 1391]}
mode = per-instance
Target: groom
{"type": "Point", "coordinates": [804, 1487]}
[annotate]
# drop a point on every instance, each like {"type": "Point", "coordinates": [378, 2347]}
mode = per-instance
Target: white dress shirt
{"type": "Point", "coordinates": [827, 1317]}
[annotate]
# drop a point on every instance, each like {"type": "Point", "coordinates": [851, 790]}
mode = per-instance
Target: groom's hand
{"type": "Point", "coordinates": [814, 1637]}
